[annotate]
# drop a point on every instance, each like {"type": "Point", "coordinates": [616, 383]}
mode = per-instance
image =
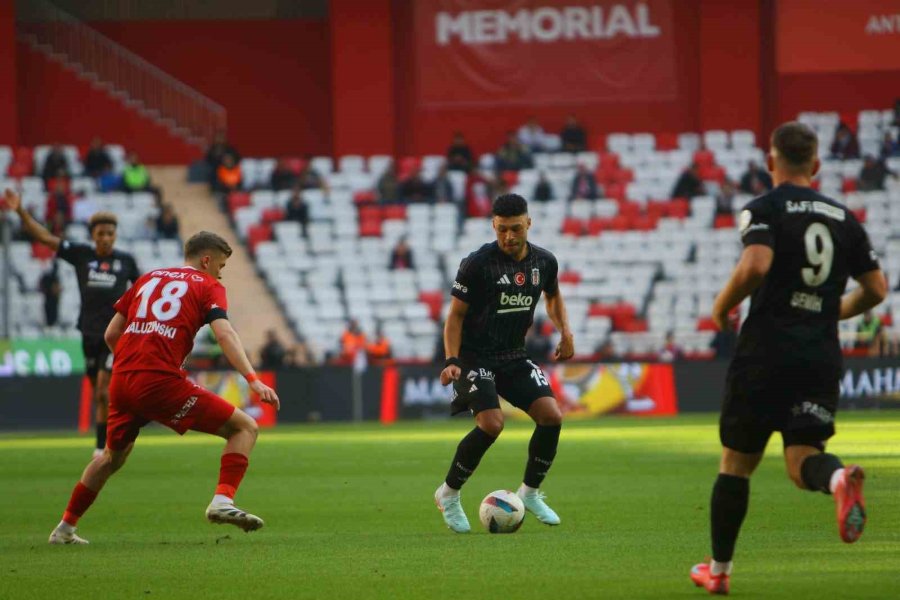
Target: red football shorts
{"type": "Point", "coordinates": [138, 397]}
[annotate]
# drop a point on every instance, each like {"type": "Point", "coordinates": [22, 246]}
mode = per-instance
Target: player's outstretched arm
{"type": "Point", "coordinates": [556, 310]}
{"type": "Point", "coordinates": [31, 227]}
{"type": "Point", "coordinates": [114, 331]}
{"type": "Point", "coordinates": [756, 260]}
{"type": "Point", "coordinates": [234, 351]}
{"type": "Point", "coordinates": [453, 338]}
{"type": "Point", "coordinates": [871, 292]}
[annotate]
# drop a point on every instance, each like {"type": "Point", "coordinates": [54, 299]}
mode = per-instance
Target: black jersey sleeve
{"type": "Point", "coordinates": [468, 284]}
{"type": "Point", "coordinates": [551, 283]}
{"type": "Point", "coordinates": [862, 257]}
{"type": "Point", "coordinates": [135, 271]}
{"type": "Point", "coordinates": [756, 223]}
{"type": "Point", "coordinates": [73, 252]}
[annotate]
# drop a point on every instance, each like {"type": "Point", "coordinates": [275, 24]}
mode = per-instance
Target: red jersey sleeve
{"type": "Point", "coordinates": [216, 303]}
{"type": "Point", "coordinates": [124, 303]}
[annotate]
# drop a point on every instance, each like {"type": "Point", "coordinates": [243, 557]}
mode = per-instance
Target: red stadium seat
{"type": "Point", "coordinates": [601, 310]}
{"type": "Point", "coordinates": [258, 233]}
{"type": "Point", "coordinates": [620, 223]}
{"type": "Point", "coordinates": [706, 324]}
{"type": "Point", "coordinates": [370, 213]}
{"type": "Point", "coordinates": [666, 141]}
{"type": "Point", "coordinates": [624, 176]}
{"type": "Point", "coordinates": [572, 226]}
{"type": "Point", "coordinates": [860, 214]}
{"type": "Point", "coordinates": [41, 252]}
{"type": "Point", "coordinates": [435, 302]}
{"type": "Point", "coordinates": [598, 225]}
{"type": "Point", "coordinates": [704, 158]}
{"type": "Point", "coordinates": [272, 215]}
{"type": "Point", "coordinates": [723, 222]}
{"type": "Point", "coordinates": [679, 208]}
{"type": "Point", "coordinates": [408, 166]}
{"type": "Point", "coordinates": [365, 197]}
{"type": "Point", "coordinates": [570, 277]}
{"type": "Point", "coordinates": [237, 200]}
{"type": "Point", "coordinates": [295, 164]}
{"type": "Point", "coordinates": [19, 169]}
{"type": "Point", "coordinates": [370, 228]}
{"type": "Point", "coordinates": [712, 173]}
{"type": "Point", "coordinates": [510, 178]}
{"type": "Point", "coordinates": [657, 210]}
{"type": "Point", "coordinates": [394, 211]}
{"type": "Point", "coordinates": [615, 191]}
{"type": "Point", "coordinates": [610, 161]}
{"type": "Point", "coordinates": [23, 154]}
{"type": "Point", "coordinates": [849, 185]}
{"type": "Point", "coordinates": [633, 325]}
{"type": "Point", "coordinates": [644, 223]}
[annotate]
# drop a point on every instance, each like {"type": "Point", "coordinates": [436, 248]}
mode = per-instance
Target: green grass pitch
{"type": "Point", "coordinates": [349, 514]}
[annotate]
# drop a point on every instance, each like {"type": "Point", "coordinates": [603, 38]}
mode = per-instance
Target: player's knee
{"type": "Point", "coordinates": [114, 459]}
{"type": "Point", "coordinates": [492, 426]}
{"type": "Point", "coordinates": [551, 419]}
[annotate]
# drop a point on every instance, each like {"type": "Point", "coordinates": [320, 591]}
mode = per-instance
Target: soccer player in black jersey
{"type": "Point", "coordinates": [799, 250]}
{"type": "Point", "coordinates": [104, 274]}
{"type": "Point", "coordinates": [494, 296]}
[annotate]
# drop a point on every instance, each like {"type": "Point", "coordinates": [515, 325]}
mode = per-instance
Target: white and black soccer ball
{"type": "Point", "coordinates": [502, 512]}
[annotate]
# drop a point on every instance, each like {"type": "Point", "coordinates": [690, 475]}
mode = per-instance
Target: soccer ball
{"type": "Point", "coordinates": [502, 512]}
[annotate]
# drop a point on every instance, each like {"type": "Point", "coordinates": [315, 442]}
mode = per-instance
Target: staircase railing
{"type": "Point", "coordinates": [187, 112]}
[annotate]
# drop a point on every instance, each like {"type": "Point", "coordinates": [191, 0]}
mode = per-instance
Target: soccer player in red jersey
{"type": "Point", "coordinates": [151, 334]}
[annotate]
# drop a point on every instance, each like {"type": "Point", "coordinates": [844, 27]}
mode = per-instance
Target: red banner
{"type": "Point", "coordinates": [829, 36]}
{"type": "Point", "coordinates": [542, 52]}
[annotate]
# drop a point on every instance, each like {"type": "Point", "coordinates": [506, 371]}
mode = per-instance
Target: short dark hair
{"type": "Point", "coordinates": [510, 205]}
{"type": "Point", "coordinates": [205, 240]}
{"type": "Point", "coordinates": [796, 144]}
{"type": "Point", "coordinates": [102, 218]}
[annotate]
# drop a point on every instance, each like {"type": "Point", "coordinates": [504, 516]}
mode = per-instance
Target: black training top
{"type": "Point", "coordinates": [101, 280]}
{"type": "Point", "coordinates": [502, 294]}
{"type": "Point", "coordinates": [817, 245]}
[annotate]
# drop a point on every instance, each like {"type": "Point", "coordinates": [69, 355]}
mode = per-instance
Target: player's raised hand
{"type": "Point", "coordinates": [11, 200]}
{"type": "Point", "coordinates": [566, 347]}
{"type": "Point", "coordinates": [266, 394]}
{"type": "Point", "coordinates": [451, 373]}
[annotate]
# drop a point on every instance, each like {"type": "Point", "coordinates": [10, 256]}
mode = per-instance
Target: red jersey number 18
{"type": "Point", "coordinates": [168, 305]}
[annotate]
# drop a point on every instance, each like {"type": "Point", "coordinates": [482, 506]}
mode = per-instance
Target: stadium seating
{"type": "Point", "coordinates": [637, 263]}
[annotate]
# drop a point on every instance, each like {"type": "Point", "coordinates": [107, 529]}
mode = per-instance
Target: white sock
{"type": "Point", "coordinates": [221, 499]}
{"type": "Point", "coordinates": [717, 568]}
{"type": "Point", "coordinates": [835, 478]}
{"type": "Point", "coordinates": [525, 490]}
{"type": "Point", "coordinates": [65, 527]}
{"type": "Point", "coordinates": [445, 491]}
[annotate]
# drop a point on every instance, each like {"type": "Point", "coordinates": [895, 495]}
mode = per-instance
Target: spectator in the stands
{"type": "Point", "coordinates": [890, 147]}
{"type": "Point", "coordinates": [283, 178]}
{"type": "Point", "coordinates": [896, 122]}
{"type": "Point", "coordinates": [271, 355]}
{"type": "Point", "coordinates": [689, 184]}
{"type": "Point", "coordinates": [299, 355]}
{"type": "Point", "coordinates": [671, 351]}
{"type": "Point", "coordinates": [606, 352]}
{"type": "Point", "coordinates": [60, 201]}
{"type": "Point", "coordinates": [573, 136]}
{"type": "Point", "coordinates": [297, 210]}
{"type": "Point", "coordinates": [513, 155]}
{"type": "Point", "coordinates": [538, 345]}
{"type": "Point", "coordinates": [51, 289]}
{"type": "Point", "coordinates": [353, 341]}
{"type": "Point", "coordinates": [873, 174]}
{"type": "Point", "coordinates": [97, 159]}
{"type": "Point", "coordinates": [543, 191]}
{"type": "Point", "coordinates": [402, 256]}
{"type": "Point", "coordinates": [532, 136]}
{"type": "Point", "coordinates": [167, 224]}
{"type": "Point", "coordinates": [845, 144]}
{"type": "Point", "coordinates": [216, 152]}
{"type": "Point", "coordinates": [584, 185]}
{"type": "Point", "coordinates": [310, 179]}
{"type": "Point", "coordinates": [443, 187]}
{"type": "Point", "coordinates": [415, 189]}
{"type": "Point", "coordinates": [228, 175]}
{"type": "Point", "coordinates": [459, 155]}
{"type": "Point", "coordinates": [868, 330]}
{"type": "Point", "coordinates": [388, 187]}
{"type": "Point", "coordinates": [109, 181]}
{"type": "Point", "coordinates": [379, 348]}
{"type": "Point", "coordinates": [755, 180]}
{"type": "Point", "coordinates": [135, 177]}
{"type": "Point", "coordinates": [55, 162]}
{"type": "Point", "coordinates": [725, 198]}
{"type": "Point", "coordinates": [479, 193]}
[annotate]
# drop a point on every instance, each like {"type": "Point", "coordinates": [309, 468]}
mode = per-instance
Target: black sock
{"type": "Point", "coordinates": [101, 435]}
{"type": "Point", "coordinates": [728, 507]}
{"type": "Point", "coordinates": [468, 455]}
{"type": "Point", "coordinates": [541, 452]}
{"type": "Point", "coordinates": [816, 471]}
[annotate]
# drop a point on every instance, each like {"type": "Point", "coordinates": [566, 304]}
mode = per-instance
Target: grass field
{"type": "Point", "coordinates": [349, 514]}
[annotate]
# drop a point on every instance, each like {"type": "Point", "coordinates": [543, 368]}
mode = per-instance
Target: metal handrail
{"type": "Point", "coordinates": [122, 69]}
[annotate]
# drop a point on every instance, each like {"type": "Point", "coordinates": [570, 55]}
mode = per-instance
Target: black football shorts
{"type": "Point", "coordinates": [520, 382]}
{"type": "Point", "coordinates": [96, 355]}
{"type": "Point", "coordinates": [760, 400]}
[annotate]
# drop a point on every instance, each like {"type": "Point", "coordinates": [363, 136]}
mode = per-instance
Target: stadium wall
{"type": "Point", "coordinates": [9, 134]}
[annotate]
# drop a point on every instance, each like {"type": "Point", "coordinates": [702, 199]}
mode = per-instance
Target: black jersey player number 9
{"type": "Point", "coordinates": [819, 254]}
